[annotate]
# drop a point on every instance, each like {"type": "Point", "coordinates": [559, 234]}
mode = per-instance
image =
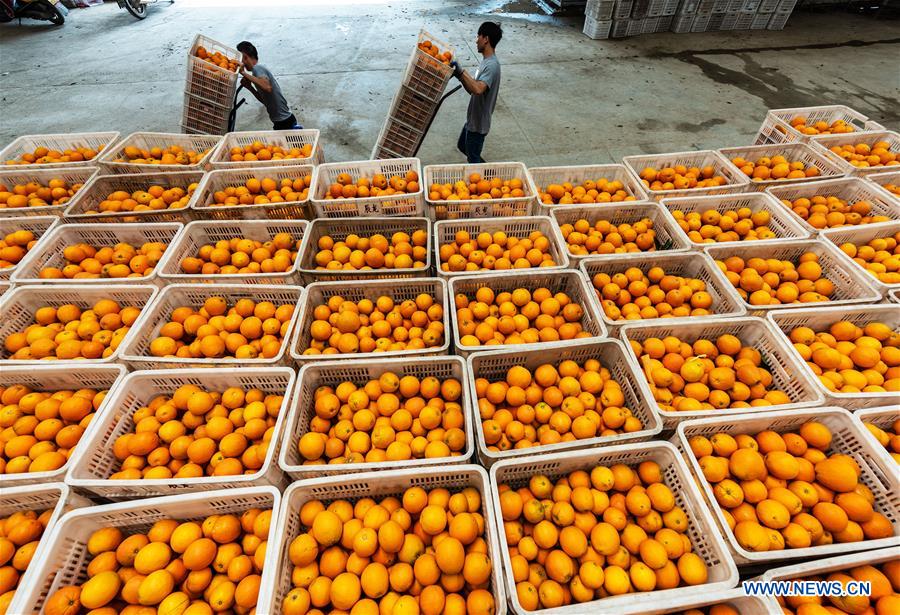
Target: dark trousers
{"type": "Point", "coordinates": [286, 124]}
{"type": "Point", "coordinates": [471, 143]}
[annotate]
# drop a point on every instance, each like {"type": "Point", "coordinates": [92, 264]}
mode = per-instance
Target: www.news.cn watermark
{"type": "Point", "coordinates": [807, 588]}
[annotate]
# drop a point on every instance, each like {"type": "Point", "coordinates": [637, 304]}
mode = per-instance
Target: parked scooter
{"type": "Point", "coordinates": [138, 8]}
{"type": "Point", "coordinates": [42, 10]}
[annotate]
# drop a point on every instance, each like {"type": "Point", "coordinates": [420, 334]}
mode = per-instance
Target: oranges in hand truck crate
{"type": "Point", "coordinates": [40, 192]}
{"type": "Point", "coordinates": [212, 71]}
{"type": "Point", "coordinates": [58, 151]}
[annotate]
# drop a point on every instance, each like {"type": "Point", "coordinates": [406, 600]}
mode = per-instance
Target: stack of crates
{"type": "Point", "coordinates": [209, 89]}
{"type": "Point", "coordinates": [598, 18]}
{"type": "Point", "coordinates": [416, 101]}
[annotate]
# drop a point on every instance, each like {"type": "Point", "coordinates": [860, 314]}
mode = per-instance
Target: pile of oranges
{"type": "Point", "coordinates": [345, 187]}
{"type": "Point", "coordinates": [880, 257]}
{"type": "Point", "coordinates": [848, 358]}
{"type": "Point", "coordinates": [864, 156]}
{"type": "Point", "coordinates": [20, 534]}
{"type": "Point", "coordinates": [68, 332]}
{"type": "Point", "coordinates": [706, 375]}
{"type": "Point", "coordinates": [195, 432]}
{"type": "Point", "coordinates": [45, 155]}
{"type": "Point", "coordinates": [268, 151]}
{"type": "Point", "coordinates": [604, 237]}
{"type": "Point", "coordinates": [598, 533]}
{"type": "Point", "coordinates": [497, 251]}
{"type": "Point", "coordinates": [888, 438]}
{"type": "Point", "coordinates": [517, 317]}
{"type": "Point", "coordinates": [246, 330]}
{"type": "Point", "coordinates": [635, 294]}
{"type": "Point", "coordinates": [401, 251]}
{"type": "Point", "coordinates": [821, 211]}
{"type": "Point", "coordinates": [388, 418]}
{"type": "Point", "coordinates": [264, 191]}
{"type": "Point", "coordinates": [172, 154]}
{"type": "Point", "coordinates": [14, 246]}
{"type": "Point", "coordinates": [884, 599]}
{"type": "Point", "coordinates": [36, 194]}
{"type": "Point", "coordinates": [478, 188]}
{"type": "Point", "coordinates": [602, 190]}
{"type": "Point", "coordinates": [801, 124]}
{"type": "Point", "coordinates": [680, 177]}
{"type": "Point", "coordinates": [555, 403]}
{"type": "Point", "coordinates": [422, 552]}
{"type": "Point", "coordinates": [774, 168]}
{"type": "Point", "coordinates": [787, 491]}
{"type": "Point", "coordinates": [209, 565]}
{"type": "Point", "coordinates": [891, 187]}
{"type": "Point", "coordinates": [242, 255]}
{"type": "Point", "coordinates": [155, 197]}
{"type": "Point", "coordinates": [121, 260]}
{"type": "Point", "coordinates": [40, 428]}
{"type": "Point", "coordinates": [769, 281]}
{"type": "Point", "coordinates": [712, 226]}
{"type": "Point", "coordinates": [341, 326]}
{"type": "Point", "coordinates": [217, 58]}
{"type": "Point", "coordinates": [434, 51]}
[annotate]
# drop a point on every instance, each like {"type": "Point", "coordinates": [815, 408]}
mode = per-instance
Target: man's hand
{"type": "Point", "coordinates": [457, 69]}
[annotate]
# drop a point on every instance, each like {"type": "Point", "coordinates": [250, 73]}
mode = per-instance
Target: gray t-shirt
{"type": "Point", "coordinates": [478, 118]}
{"type": "Point", "coordinates": [274, 101]}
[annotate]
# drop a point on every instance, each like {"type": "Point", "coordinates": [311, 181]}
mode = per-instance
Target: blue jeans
{"type": "Point", "coordinates": [471, 143]}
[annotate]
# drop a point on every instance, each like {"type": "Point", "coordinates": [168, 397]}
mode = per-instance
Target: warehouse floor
{"type": "Point", "coordinates": [564, 99]}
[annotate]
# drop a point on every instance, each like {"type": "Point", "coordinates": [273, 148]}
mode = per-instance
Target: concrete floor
{"type": "Point", "coordinates": [564, 99]}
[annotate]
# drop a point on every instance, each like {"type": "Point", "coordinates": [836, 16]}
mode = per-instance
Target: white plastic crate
{"type": "Point", "coordinates": [820, 319]}
{"type": "Point", "coordinates": [769, 6]}
{"type": "Point", "coordinates": [201, 232]}
{"type": "Point", "coordinates": [12, 176]}
{"type": "Point", "coordinates": [847, 439]}
{"type": "Point", "coordinates": [135, 350]}
{"type": "Point", "coordinates": [597, 29]}
{"type": "Point", "coordinates": [398, 138]}
{"type": "Point", "coordinates": [786, 6]}
{"type": "Point", "coordinates": [383, 205]}
{"type": "Point", "coordinates": [100, 142]}
{"type": "Point", "coordinates": [398, 290]}
{"type": "Point", "coordinates": [683, 23]}
{"type": "Point", "coordinates": [411, 108]}
{"type": "Point", "coordinates": [147, 140]}
{"type": "Point", "coordinates": [49, 253]}
{"type": "Point", "coordinates": [338, 230]}
{"type": "Point", "coordinates": [803, 152]}
{"type": "Point", "coordinates": [688, 7]}
{"type": "Point", "coordinates": [781, 222]}
{"type": "Point", "coordinates": [883, 417]}
{"type": "Point", "coordinates": [778, 21]}
{"type": "Point", "coordinates": [701, 21]}
{"type": "Point", "coordinates": [776, 127]}
{"type": "Point", "coordinates": [541, 177]}
{"type": "Point", "coordinates": [426, 74]}
{"type": "Point", "coordinates": [210, 81]}
{"type": "Point", "coordinates": [622, 9]}
{"type": "Point", "coordinates": [286, 139]}
{"type": "Point", "coordinates": [55, 378]}
{"type": "Point", "coordinates": [214, 181]}
{"type": "Point", "coordinates": [40, 226]}
{"type": "Point", "coordinates": [570, 282]}
{"type": "Point", "coordinates": [713, 6]}
{"type": "Point", "coordinates": [825, 142]}
{"type": "Point", "coordinates": [859, 236]}
{"type": "Point", "coordinates": [611, 353]}
{"type": "Point", "coordinates": [884, 179]}
{"type": "Point", "coordinates": [706, 541]}
{"type": "Point", "coordinates": [200, 116]}
{"type": "Point", "coordinates": [599, 10]}
{"type": "Point", "coordinates": [360, 371]}
{"type": "Point", "coordinates": [96, 462]}
{"type": "Point", "coordinates": [375, 485]}
{"type": "Point", "coordinates": [19, 305]}
{"type": "Point", "coordinates": [760, 22]}
{"type": "Point", "coordinates": [99, 187]}
{"type": "Point", "coordinates": [777, 357]}
{"type": "Point", "coordinates": [737, 181]}
{"type": "Point", "coordinates": [65, 555]}
{"type": "Point", "coordinates": [662, 8]}
{"type": "Point", "coordinates": [506, 206]}
{"type": "Point", "coordinates": [626, 27]}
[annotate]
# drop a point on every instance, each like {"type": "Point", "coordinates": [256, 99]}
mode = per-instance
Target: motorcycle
{"type": "Point", "coordinates": [41, 10]}
{"type": "Point", "coordinates": [138, 8]}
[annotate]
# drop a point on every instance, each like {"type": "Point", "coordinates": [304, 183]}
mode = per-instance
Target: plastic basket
{"type": "Point", "coordinates": [445, 232]}
{"type": "Point", "coordinates": [793, 152]}
{"type": "Point", "coordinates": [49, 253]}
{"type": "Point", "coordinates": [851, 286]}
{"type": "Point", "coordinates": [541, 177]}
{"type": "Point", "coordinates": [597, 30]}
{"type": "Point", "coordinates": [65, 554]}
{"type": "Point", "coordinates": [314, 375]}
{"type": "Point", "coordinates": [882, 417]}
{"type": "Point", "coordinates": [364, 227]}
{"type": "Point", "coordinates": [413, 109]}
{"type": "Point", "coordinates": [725, 301]}
{"type": "Point", "coordinates": [390, 205]}
{"type": "Point", "coordinates": [662, 8]}
{"type": "Point", "coordinates": [398, 290]}
{"type": "Point", "coordinates": [861, 235]}
{"type": "Point", "coordinates": [825, 142]}
{"type": "Point", "coordinates": [56, 378]}
{"type": "Point", "coordinates": [40, 226]}
{"type": "Point", "coordinates": [425, 74]}
{"type": "Point", "coordinates": [786, 369]}
{"type": "Point", "coordinates": [847, 439]}
{"type": "Point", "coordinates": [623, 9]}
{"type": "Point", "coordinates": [737, 181]}
{"type": "Point", "coordinates": [820, 319]}
{"type": "Point", "coordinates": [612, 355]}
{"type": "Point", "coordinates": [713, 6]}
{"type": "Point", "coordinates": [493, 208]}
{"type": "Point", "coordinates": [668, 235]}
{"type": "Point", "coordinates": [19, 305]}
{"type": "Point", "coordinates": [199, 116]}
{"type": "Point", "coordinates": [147, 140]}
{"type": "Point", "coordinates": [781, 222]}
{"type": "Point", "coordinates": [397, 137]}
{"type": "Point", "coordinates": [683, 23]}
{"type": "Point", "coordinates": [707, 542]}
{"type": "Point", "coordinates": [884, 179]}
{"type": "Point", "coordinates": [201, 232]}
{"type": "Point", "coordinates": [599, 10]}
{"type": "Point", "coordinates": [286, 139]}
{"type": "Point", "coordinates": [760, 22]}
{"type": "Point", "coordinates": [100, 142]}
{"type": "Point", "coordinates": [99, 187]}
{"type": "Point", "coordinates": [93, 467]}
{"type": "Point", "coordinates": [776, 127]}
{"type": "Point", "coordinates": [13, 176]}
{"type": "Point", "coordinates": [208, 80]}
{"type": "Point", "coordinates": [214, 181]}
{"type": "Point", "coordinates": [375, 485]}
{"type": "Point", "coordinates": [570, 282]}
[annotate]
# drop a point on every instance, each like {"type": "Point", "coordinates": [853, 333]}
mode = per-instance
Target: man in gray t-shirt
{"type": "Point", "coordinates": [483, 89]}
{"type": "Point", "coordinates": [261, 82]}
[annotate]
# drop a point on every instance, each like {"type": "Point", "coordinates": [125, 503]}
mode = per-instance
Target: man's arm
{"type": "Point", "coordinates": [260, 82]}
{"type": "Point", "coordinates": [469, 83]}
{"type": "Point", "coordinates": [248, 85]}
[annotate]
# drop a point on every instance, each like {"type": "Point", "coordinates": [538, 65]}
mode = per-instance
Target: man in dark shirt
{"type": "Point", "coordinates": [261, 82]}
{"type": "Point", "coordinates": [483, 89]}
